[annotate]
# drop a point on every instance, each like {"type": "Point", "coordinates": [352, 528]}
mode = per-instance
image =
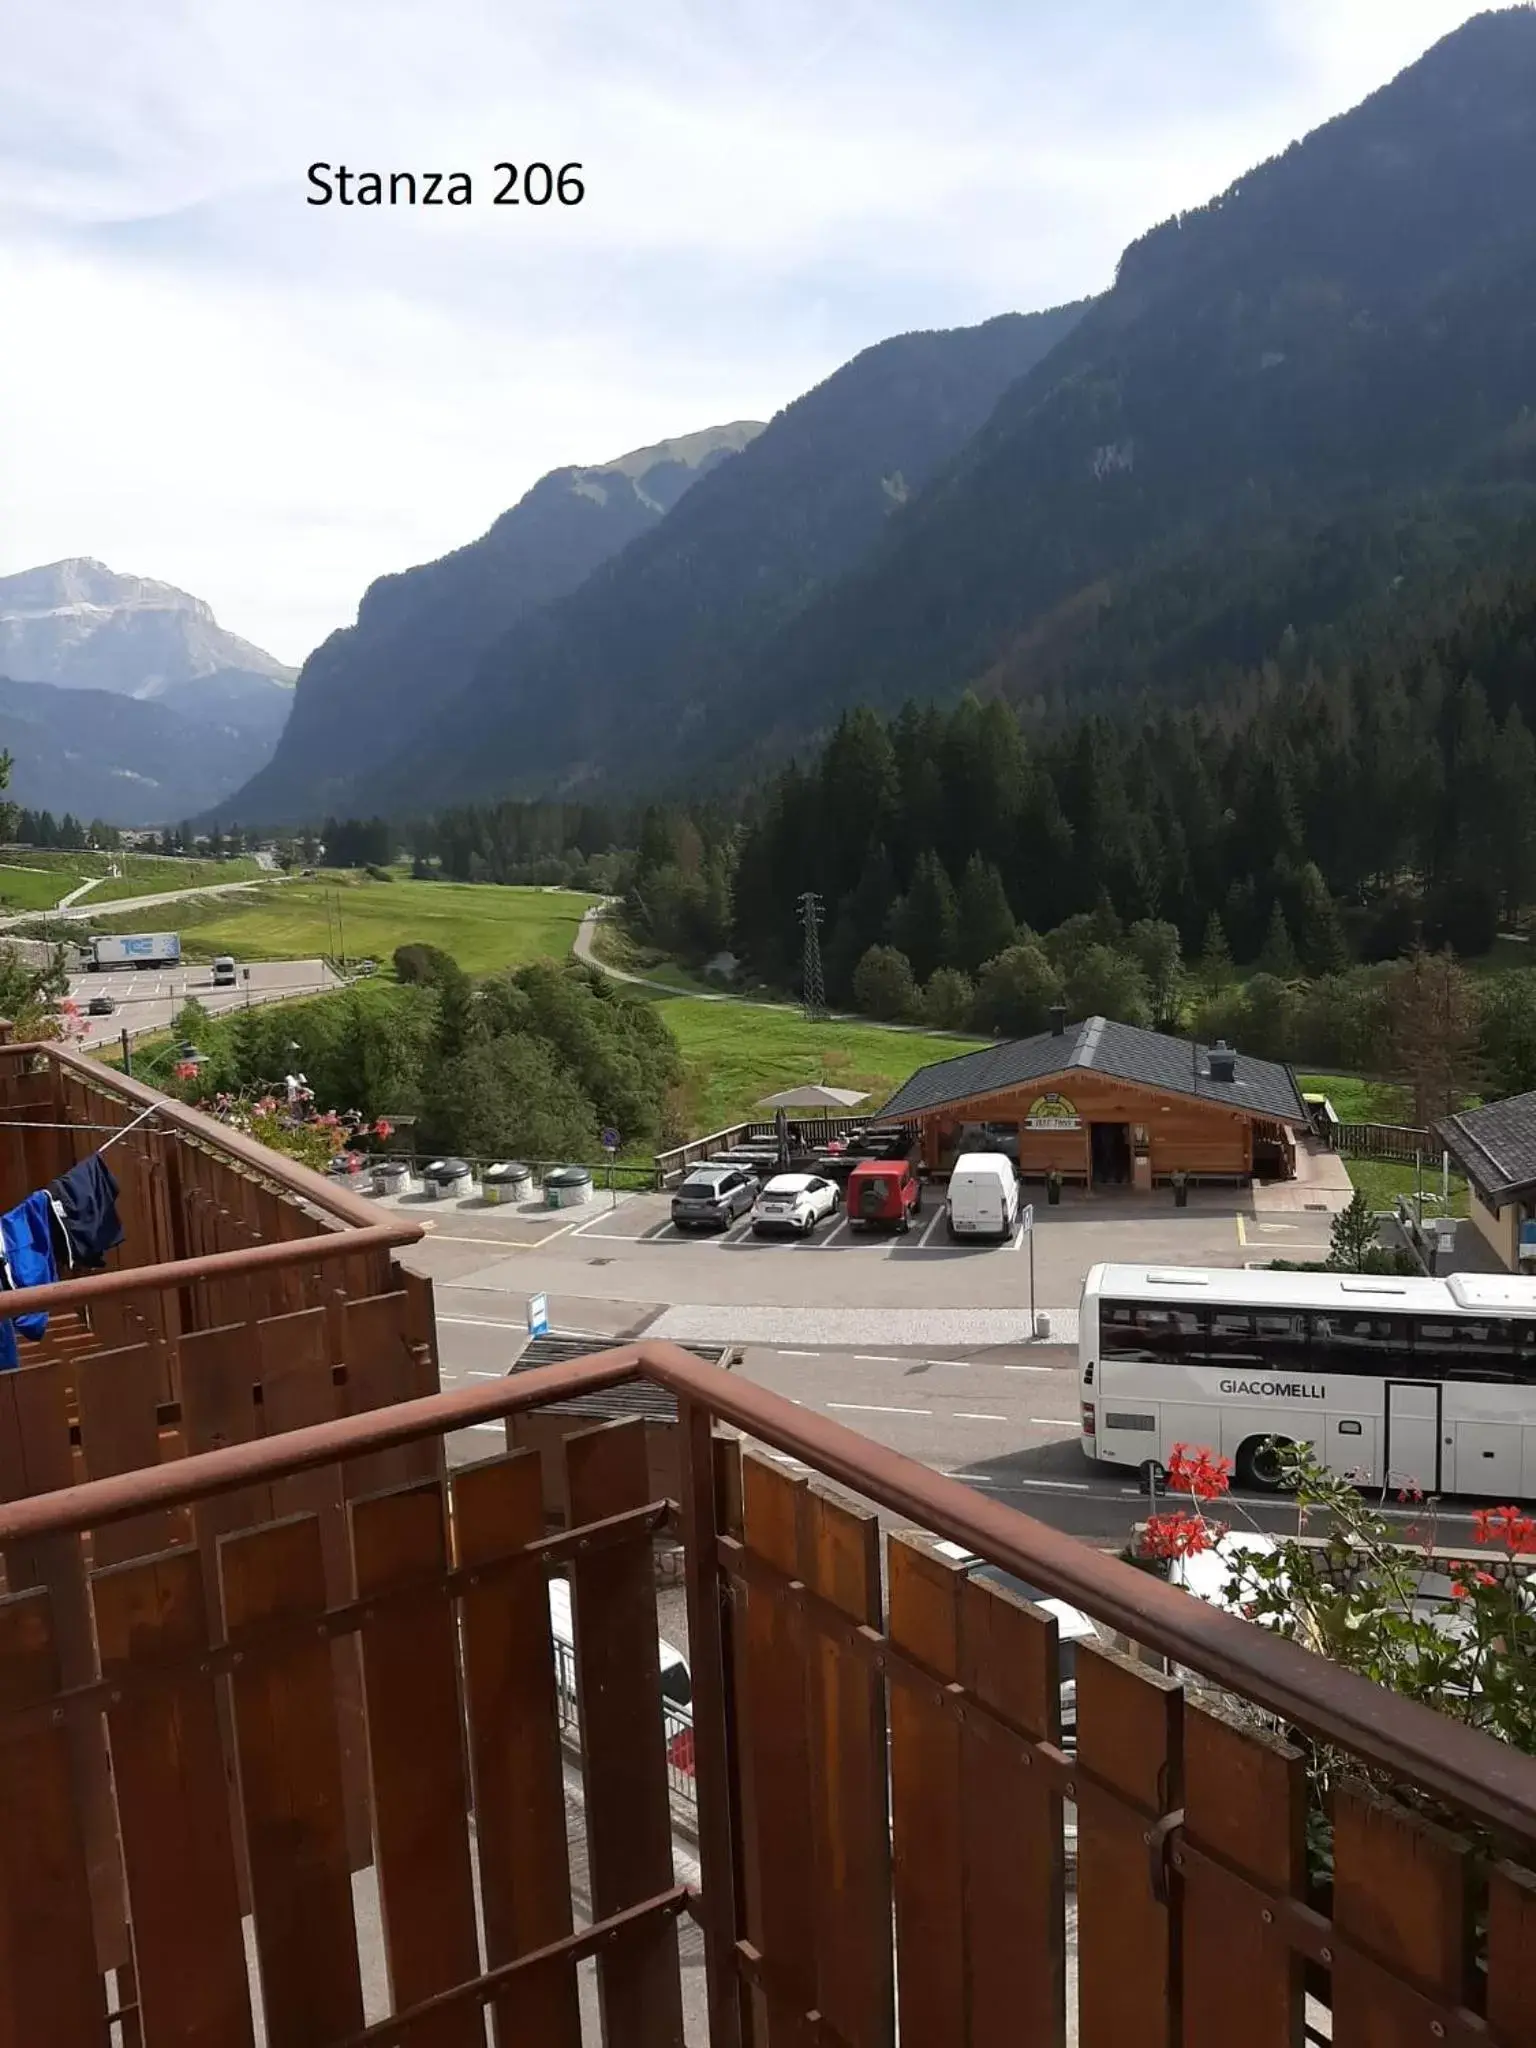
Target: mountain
{"type": "Point", "coordinates": [629, 673]}
{"type": "Point", "coordinates": [1343, 342]}
{"type": "Point", "coordinates": [128, 760]}
{"type": "Point", "coordinates": [80, 626]}
{"type": "Point", "coordinates": [372, 690]}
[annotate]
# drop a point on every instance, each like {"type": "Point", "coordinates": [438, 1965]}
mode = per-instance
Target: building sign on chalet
{"type": "Point", "coordinates": [1052, 1113]}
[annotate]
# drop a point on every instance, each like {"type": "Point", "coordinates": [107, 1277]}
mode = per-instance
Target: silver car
{"type": "Point", "coordinates": [712, 1197]}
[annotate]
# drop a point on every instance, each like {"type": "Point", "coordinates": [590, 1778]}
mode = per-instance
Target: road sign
{"type": "Point", "coordinates": [1027, 1219]}
{"type": "Point", "coordinates": [538, 1315]}
{"type": "Point", "coordinates": [610, 1139]}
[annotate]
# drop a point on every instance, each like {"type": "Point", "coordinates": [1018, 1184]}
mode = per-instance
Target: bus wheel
{"type": "Point", "coordinates": [1261, 1464]}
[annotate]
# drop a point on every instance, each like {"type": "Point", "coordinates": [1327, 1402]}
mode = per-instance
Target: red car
{"type": "Point", "coordinates": [884, 1191]}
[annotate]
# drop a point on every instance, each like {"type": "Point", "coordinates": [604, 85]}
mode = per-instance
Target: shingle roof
{"type": "Point", "coordinates": [1495, 1146]}
{"type": "Point", "coordinates": [1123, 1051]}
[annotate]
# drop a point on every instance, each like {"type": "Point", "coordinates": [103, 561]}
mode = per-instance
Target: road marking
{"type": "Point", "coordinates": [965, 1415]}
{"type": "Point", "coordinates": [474, 1375]}
{"type": "Point", "coordinates": [1029, 1368]}
{"type": "Point", "coordinates": [1242, 1235]}
{"type": "Point", "coordinates": [964, 1363]}
{"type": "Point", "coordinates": [867, 1408]}
{"type": "Point", "coordinates": [481, 1322]}
{"type": "Point", "coordinates": [938, 1218]}
{"type": "Point", "coordinates": [1020, 1485]}
{"type": "Point", "coordinates": [877, 1357]}
{"type": "Point", "coordinates": [1018, 1241]}
{"type": "Point", "coordinates": [1052, 1422]}
{"type": "Point", "coordinates": [799, 1354]}
{"type": "Point", "coordinates": [832, 1235]}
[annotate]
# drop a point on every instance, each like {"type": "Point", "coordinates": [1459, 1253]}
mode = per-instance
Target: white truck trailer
{"type": "Point", "coordinates": [133, 949]}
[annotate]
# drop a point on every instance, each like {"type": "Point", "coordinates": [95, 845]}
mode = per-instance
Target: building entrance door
{"type": "Point", "coordinates": [1111, 1151]}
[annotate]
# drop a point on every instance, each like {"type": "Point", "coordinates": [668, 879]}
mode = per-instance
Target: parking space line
{"type": "Point", "coordinates": [799, 1354]}
{"type": "Point", "coordinates": [938, 1218]}
{"type": "Point", "coordinates": [838, 1229]}
{"type": "Point", "coordinates": [484, 1323]}
{"type": "Point", "coordinates": [737, 1232]}
{"type": "Point", "coordinates": [1023, 1233]}
{"type": "Point", "coordinates": [963, 1363]}
{"type": "Point", "coordinates": [654, 1233]}
{"type": "Point", "coordinates": [868, 1408]}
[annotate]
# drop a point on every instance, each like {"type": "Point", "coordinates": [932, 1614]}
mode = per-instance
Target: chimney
{"type": "Point", "coordinates": [1222, 1064]}
{"type": "Point", "coordinates": [1058, 1020]}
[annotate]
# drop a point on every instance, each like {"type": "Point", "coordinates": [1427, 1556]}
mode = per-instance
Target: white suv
{"type": "Point", "coordinates": [793, 1204]}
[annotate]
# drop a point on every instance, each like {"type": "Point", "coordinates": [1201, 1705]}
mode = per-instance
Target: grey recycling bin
{"type": "Point", "coordinates": [390, 1176]}
{"type": "Point", "coordinates": [506, 1181]}
{"type": "Point", "coordinates": [568, 1187]}
{"type": "Point", "coordinates": [444, 1178]}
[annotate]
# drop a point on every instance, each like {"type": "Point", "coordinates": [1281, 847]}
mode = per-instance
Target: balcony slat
{"type": "Point", "coordinates": [416, 1763]}
{"type": "Point", "coordinates": [1015, 1874]}
{"type": "Point", "coordinates": [927, 1853]}
{"type": "Point", "coordinates": [119, 1393]}
{"type": "Point", "coordinates": [1400, 1891]}
{"type": "Point", "coordinates": [173, 1808]}
{"type": "Point", "coordinates": [623, 1741]}
{"type": "Point", "coordinates": [1245, 1803]}
{"type": "Point", "coordinates": [1128, 1738]}
{"type": "Point", "coordinates": [772, 1653]}
{"type": "Point", "coordinates": [1511, 1946]}
{"type": "Point", "coordinates": [381, 1370]}
{"type": "Point", "coordinates": [36, 1457]}
{"type": "Point", "coordinates": [291, 1792]}
{"type": "Point", "coordinates": [51, 1987]}
{"type": "Point", "coordinates": [514, 1745]}
{"type": "Point", "coordinates": [850, 1822]}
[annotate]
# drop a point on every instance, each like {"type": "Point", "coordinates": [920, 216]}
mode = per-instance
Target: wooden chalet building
{"type": "Point", "coordinates": [1106, 1104]}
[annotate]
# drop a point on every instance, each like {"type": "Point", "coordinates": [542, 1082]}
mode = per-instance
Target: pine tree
{"type": "Point", "coordinates": [1215, 958]}
{"type": "Point", "coordinates": [1319, 931]}
{"type": "Point", "coordinates": [986, 925]}
{"type": "Point", "coordinates": [925, 924]}
{"type": "Point", "coordinates": [1279, 955]}
{"type": "Point", "coordinates": [1433, 1032]}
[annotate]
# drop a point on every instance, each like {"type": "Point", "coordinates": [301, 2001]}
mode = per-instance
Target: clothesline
{"type": "Point", "coordinates": [117, 1130]}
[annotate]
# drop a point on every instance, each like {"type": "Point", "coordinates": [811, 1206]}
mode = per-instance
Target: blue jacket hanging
{"type": "Point", "coordinates": [26, 1246]}
{"type": "Point", "coordinates": [86, 1199]}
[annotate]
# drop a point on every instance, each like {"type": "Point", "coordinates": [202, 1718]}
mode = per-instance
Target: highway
{"type": "Point", "coordinates": [147, 999]}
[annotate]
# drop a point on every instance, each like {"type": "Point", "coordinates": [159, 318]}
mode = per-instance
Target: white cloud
{"type": "Point", "coordinates": [271, 403]}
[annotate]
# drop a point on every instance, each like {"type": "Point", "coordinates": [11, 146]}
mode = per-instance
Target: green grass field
{"type": "Point", "coordinates": [34, 880]}
{"type": "Point", "coordinates": [1383, 1180]}
{"type": "Point", "coordinates": [1360, 1102]}
{"type": "Point", "coordinates": [737, 1054]}
{"type": "Point", "coordinates": [483, 927]}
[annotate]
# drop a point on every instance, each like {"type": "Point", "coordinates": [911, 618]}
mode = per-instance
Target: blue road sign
{"type": "Point", "coordinates": [538, 1315]}
{"type": "Point", "coordinates": [610, 1139]}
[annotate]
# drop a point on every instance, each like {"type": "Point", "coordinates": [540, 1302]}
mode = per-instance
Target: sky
{"type": "Point", "coordinates": [268, 403]}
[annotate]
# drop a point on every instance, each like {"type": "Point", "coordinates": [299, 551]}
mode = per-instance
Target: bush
{"type": "Point", "coordinates": [883, 985]}
{"type": "Point", "coordinates": [947, 999]}
{"type": "Point", "coordinates": [419, 963]}
{"type": "Point", "coordinates": [378, 874]}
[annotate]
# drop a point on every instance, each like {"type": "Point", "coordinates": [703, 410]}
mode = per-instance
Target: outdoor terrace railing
{"type": "Point", "coordinates": [881, 1784]}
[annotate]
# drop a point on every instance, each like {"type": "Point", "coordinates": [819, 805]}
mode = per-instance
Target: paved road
{"type": "Point", "coordinates": [147, 999]}
{"type": "Point", "coordinates": [985, 1405]}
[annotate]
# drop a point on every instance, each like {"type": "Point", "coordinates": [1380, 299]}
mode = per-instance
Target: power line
{"type": "Point", "coordinates": [814, 982]}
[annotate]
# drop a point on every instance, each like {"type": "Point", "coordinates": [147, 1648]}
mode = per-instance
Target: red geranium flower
{"type": "Point", "coordinates": [1199, 1472]}
{"type": "Point", "coordinates": [1508, 1526]}
{"type": "Point", "coordinates": [1168, 1536]}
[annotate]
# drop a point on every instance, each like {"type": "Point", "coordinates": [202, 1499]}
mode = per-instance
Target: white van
{"type": "Point", "coordinates": [676, 1678]}
{"type": "Point", "coordinates": [224, 973]}
{"type": "Point", "coordinates": [983, 1197]}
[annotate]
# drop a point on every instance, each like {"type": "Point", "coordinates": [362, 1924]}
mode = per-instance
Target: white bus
{"type": "Point", "coordinates": [1406, 1382]}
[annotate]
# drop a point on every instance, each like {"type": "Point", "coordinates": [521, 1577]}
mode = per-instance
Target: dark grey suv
{"type": "Point", "coordinates": [712, 1197]}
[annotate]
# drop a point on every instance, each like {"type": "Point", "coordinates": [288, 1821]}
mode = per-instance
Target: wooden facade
{"type": "Point", "coordinates": [1147, 1134]}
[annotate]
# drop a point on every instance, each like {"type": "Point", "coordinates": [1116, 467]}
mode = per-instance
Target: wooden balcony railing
{"type": "Point", "coordinates": [883, 1793]}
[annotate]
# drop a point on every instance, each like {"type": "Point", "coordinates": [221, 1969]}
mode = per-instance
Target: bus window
{"type": "Point", "coordinates": [1345, 1341]}
{"type": "Point", "coordinates": [1270, 1340]}
{"type": "Point", "coordinates": [1466, 1347]}
{"type": "Point", "coordinates": [1150, 1330]}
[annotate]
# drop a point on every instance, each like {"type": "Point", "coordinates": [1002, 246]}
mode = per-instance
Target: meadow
{"type": "Point", "coordinates": [31, 879]}
{"type": "Point", "coordinates": [483, 926]}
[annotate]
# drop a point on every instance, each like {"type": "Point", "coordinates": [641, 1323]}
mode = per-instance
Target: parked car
{"type": "Point", "coordinates": [100, 1006]}
{"type": "Point", "coordinates": [1072, 1627]}
{"type": "Point", "coordinates": [792, 1204]}
{"type": "Point", "coordinates": [884, 1191]}
{"type": "Point", "coordinates": [712, 1197]}
{"type": "Point", "coordinates": [983, 1197]}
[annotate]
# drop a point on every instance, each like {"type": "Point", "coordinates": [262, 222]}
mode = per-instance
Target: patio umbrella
{"type": "Point", "coordinates": [814, 1096]}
